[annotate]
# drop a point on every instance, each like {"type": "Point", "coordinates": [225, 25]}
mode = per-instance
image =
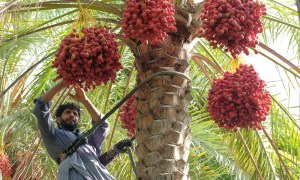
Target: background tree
{"type": "Point", "coordinates": [32, 32]}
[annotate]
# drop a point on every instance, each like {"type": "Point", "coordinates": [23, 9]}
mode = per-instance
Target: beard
{"type": "Point", "coordinates": [68, 126]}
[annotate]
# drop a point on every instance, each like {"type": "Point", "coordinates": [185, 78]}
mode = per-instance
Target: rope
{"type": "Point", "coordinates": [129, 152]}
{"type": "Point", "coordinates": [80, 140]}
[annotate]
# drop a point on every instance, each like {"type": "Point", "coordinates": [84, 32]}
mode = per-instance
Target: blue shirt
{"type": "Point", "coordinates": [57, 139]}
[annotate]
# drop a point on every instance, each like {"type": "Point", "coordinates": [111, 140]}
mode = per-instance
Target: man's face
{"type": "Point", "coordinates": [69, 119]}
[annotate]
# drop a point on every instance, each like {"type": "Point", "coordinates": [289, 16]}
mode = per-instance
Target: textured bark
{"type": "Point", "coordinates": [162, 120]}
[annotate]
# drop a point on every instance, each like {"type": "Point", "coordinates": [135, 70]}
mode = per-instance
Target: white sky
{"type": "Point", "coordinates": [269, 73]}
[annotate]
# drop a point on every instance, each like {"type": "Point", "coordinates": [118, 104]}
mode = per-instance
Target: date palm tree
{"type": "Point", "coordinates": [176, 138]}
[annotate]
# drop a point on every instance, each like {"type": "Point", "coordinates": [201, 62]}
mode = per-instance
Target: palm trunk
{"type": "Point", "coordinates": [163, 133]}
{"type": "Point", "coordinates": [162, 120]}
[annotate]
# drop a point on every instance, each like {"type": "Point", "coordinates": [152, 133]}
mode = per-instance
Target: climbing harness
{"type": "Point", "coordinates": [82, 139]}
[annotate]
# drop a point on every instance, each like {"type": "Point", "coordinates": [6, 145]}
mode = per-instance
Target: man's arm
{"type": "Point", "coordinates": [97, 138]}
{"type": "Point", "coordinates": [42, 111]}
{"type": "Point", "coordinates": [52, 92]}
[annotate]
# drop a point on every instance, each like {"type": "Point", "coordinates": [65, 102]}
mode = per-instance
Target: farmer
{"type": "Point", "coordinates": [85, 162]}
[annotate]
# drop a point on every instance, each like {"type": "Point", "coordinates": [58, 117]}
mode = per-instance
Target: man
{"type": "Point", "coordinates": [85, 162]}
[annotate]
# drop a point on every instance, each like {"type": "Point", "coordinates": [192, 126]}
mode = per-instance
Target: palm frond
{"type": "Point", "coordinates": [282, 20]}
{"type": "Point", "coordinates": [97, 5]}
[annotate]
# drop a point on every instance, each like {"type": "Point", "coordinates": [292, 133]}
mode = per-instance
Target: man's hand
{"type": "Point", "coordinates": [120, 147]}
{"type": "Point", "coordinates": [79, 95]}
